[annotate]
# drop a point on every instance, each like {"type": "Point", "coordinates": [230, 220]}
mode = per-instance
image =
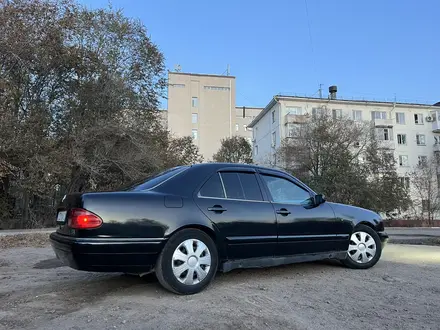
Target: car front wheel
{"type": "Point", "coordinates": [188, 262]}
{"type": "Point", "coordinates": [364, 249]}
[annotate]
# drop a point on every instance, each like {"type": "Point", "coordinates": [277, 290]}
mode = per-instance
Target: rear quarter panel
{"type": "Point", "coordinates": [141, 214]}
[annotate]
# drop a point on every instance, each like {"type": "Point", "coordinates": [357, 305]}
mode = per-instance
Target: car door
{"type": "Point", "coordinates": [303, 227]}
{"type": "Point", "coordinates": [234, 202]}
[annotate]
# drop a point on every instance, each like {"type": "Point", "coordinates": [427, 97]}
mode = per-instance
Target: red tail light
{"type": "Point", "coordinates": [83, 219]}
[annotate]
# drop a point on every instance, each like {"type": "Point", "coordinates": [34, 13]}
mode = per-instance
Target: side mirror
{"type": "Point", "coordinates": [319, 199]}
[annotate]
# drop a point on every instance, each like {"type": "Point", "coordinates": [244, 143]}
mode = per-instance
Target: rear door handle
{"type": "Point", "coordinates": [283, 212]}
{"type": "Point", "coordinates": [217, 209]}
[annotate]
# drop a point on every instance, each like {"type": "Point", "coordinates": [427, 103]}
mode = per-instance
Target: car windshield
{"type": "Point", "coordinates": [154, 180]}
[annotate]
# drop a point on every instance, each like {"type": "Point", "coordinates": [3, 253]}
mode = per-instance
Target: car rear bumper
{"type": "Point", "coordinates": [383, 238]}
{"type": "Point", "coordinates": [129, 255]}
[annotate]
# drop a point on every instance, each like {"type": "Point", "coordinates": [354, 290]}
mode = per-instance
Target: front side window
{"type": "Point", "coordinates": [273, 116]}
{"type": "Point", "coordinates": [241, 186]}
{"type": "Point", "coordinates": [285, 191]}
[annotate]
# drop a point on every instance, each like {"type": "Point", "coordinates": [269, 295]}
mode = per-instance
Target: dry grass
{"type": "Point", "coordinates": [37, 240]}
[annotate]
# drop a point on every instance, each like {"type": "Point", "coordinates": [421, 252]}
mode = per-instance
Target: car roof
{"type": "Point", "coordinates": [215, 165]}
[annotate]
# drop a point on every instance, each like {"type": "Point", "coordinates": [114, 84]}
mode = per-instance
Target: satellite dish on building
{"type": "Point", "coordinates": [177, 68]}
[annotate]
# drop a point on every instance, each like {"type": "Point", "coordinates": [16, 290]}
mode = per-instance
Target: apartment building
{"type": "Point", "coordinates": [411, 131]}
{"type": "Point", "coordinates": [203, 106]}
{"type": "Point", "coordinates": [244, 116]}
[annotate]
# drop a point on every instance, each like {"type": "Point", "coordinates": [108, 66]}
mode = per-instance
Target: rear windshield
{"type": "Point", "coordinates": [157, 179]}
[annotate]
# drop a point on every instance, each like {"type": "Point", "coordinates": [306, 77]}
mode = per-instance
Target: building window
{"type": "Point", "coordinates": [195, 134]}
{"type": "Point", "coordinates": [357, 115]}
{"type": "Point", "coordinates": [290, 130]}
{"type": "Point", "coordinates": [236, 127]}
{"type": "Point", "coordinates": [194, 118]}
{"type": "Point", "coordinates": [405, 182]}
{"type": "Point", "coordinates": [294, 110]}
{"type": "Point", "coordinates": [418, 118]}
{"type": "Point", "coordinates": [216, 88]}
{"type": "Point", "coordinates": [384, 134]}
{"type": "Point", "coordinates": [274, 139]}
{"type": "Point", "coordinates": [403, 161]}
{"type": "Point", "coordinates": [245, 127]}
{"type": "Point", "coordinates": [195, 102]}
{"type": "Point", "coordinates": [379, 115]}
{"type": "Point", "coordinates": [401, 138]}
{"type": "Point", "coordinates": [317, 112]}
{"type": "Point", "coordinates": [400, 118]}
{"type": "Point", "coordinates": [337, 114]}
{"type": "Point", "coordinates": [423, 160]}
{"type": "Point", "coordinates": [420, 139]}
{"type": "Point", "coordinates": [256, 150]}
{"type": "Point", "coordinates": [177, 85]}
{"type": "Point", "coordinates": [273, 116]}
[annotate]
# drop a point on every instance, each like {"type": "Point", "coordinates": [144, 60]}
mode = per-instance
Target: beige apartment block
{"type": "Point", "coordinates": [203, 106]}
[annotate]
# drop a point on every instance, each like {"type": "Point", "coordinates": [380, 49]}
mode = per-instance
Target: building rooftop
{"type": "Point", "coordinates": [353, 101]}
{"type": "Point", "coordinates": [200, 74]}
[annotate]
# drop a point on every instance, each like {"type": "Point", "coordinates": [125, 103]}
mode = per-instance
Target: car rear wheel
{"type": "Point", "coordinates": [364, 249]}
{"type": "Point", "coordinates": [188, 262]}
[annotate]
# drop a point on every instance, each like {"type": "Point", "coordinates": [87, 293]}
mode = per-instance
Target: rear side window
{"type": "Point", "coordinates": [241, 186]}
{"type": "Point", "coordinates": [159, 178]}
{"type": "Point", "coordinates": [213, 188]}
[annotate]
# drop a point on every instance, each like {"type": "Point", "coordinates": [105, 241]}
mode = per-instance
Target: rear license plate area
{"type": "Point", "coordinates": [61, 217]}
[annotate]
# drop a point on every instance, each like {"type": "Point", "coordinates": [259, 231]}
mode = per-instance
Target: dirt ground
{"type": "Point", "coordinates": [401, 292]}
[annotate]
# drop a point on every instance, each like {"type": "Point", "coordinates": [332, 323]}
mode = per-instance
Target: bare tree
{"type": "Point", "coordinates": [235, 149]}
{"type": "Point", "coordinates": [343, 159]}
{"type": "Point", "coordinates": [425, 183]}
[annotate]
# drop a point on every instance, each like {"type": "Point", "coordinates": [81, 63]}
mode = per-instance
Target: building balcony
{"type": "Point", "coordinates": [386, 144]}
{"type": "Point", "coordinates": [383, 122]}
{"type": "Point", "coordinates": [435, 118]}
{"type": "Point", "coordinates": [294, 119]}
{"type": "Point", "coordinates": [436, 126]}
{"type": "Point", "coordinates": [437, 147]}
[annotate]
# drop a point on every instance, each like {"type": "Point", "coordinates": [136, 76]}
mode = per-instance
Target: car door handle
{"type": "Point", "coordinates": [217, 209]}
{"type": "Point", "coordinates": [283, 212]}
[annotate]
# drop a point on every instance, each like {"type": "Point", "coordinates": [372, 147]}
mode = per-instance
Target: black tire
{"type": "Point", "coordinates": [350, 263]}
{"type": "Point", "coordinates": [164, 271]}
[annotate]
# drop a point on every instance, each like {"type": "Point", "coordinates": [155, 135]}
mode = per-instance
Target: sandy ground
{"type": "Point", "coordinates": [401, 292]}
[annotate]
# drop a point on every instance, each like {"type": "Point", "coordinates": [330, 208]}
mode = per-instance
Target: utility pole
{"type": "Point", "coordinates": [320, 91]}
